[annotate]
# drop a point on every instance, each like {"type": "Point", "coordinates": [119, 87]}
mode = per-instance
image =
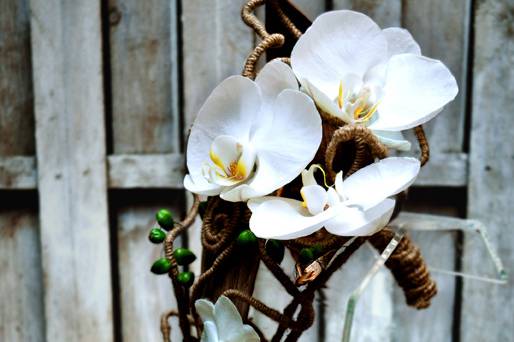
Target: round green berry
{"type": "Point", "coordinates": [306, 255]}
{"type": "Point", "coordinates": [246, 238]}
{"type": "Point", "coordinates": [165, 219]}
{"type": "Point", "coordinates": [317, 249]}
{"type": "Point", "coordinates": [186, 278]}
{"type": "Point", "coordinates": [184, 256]}
{"type": "Point", "coordinates": [161, 266]}
{"type": "Point", "coordinates": [275, 249]}
{"type": "Point", "coordinates": [156, 235]}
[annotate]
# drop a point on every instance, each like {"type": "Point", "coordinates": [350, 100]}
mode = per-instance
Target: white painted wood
{"type": "Point", "coordinates": [127, 171]}
{"type": "Point", "coordinates": [70, 137]}
{"type": "Point", "coordinates": [18, 173]}
{"type": "Point", "coordinates": [486, 308]}
{"type": "Point", "coordinates": [21, 295]}
{"type": "Point", "coordinates": [386, 13]}
{"type": "Point", "coordinates": [311, 8]}
{"type": "Point", "coordinates": [441, 27]}
{"type": "Point", "coordinates": [145, 171]}
{"type": "Point", "coordinates": [146, 143]}
{"type": "Point", "coordinates": [220, 52]}
{"type": "Point", "coordinates": [444, 169]}
{"type": "Point", "coordinates": [145, 117]}
{"type": "Point", "coordinates": [144, 296]}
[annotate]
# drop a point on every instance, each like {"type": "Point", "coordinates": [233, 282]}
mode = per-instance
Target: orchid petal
{"type": "Point", "coordinates": [231, 109]}
{"type": "Point", "coordinates": [356, 222]}
{"type": "Point", "coordinates": [205, 309]}
{"type": "Point", "coordinates": [373, 183]}
{"type": "Point", "coordinates": [416, 89]}
{"type": "Point", "coordinates": [228, 320]}
{"type": "Point", "coordinates": [284, 219]}
{"type": "Point", "coordinates": [275, 77]}
{"type": "Point", "coordinates": [248, 335]}
{"type": "Point", "coordinates": [315, 198]}
{"type": "Point", "coordinates": [201, 186]}
{"type": "Point", "coordinates": [210, 333]}
{"type": "Point", "coordinates": [338, 183]}
{"type": "Point", "coordinates": [284, 148]}
{"type": "Point", "coordinates": [400, 41]}
{"type": "Point", "coordinates": [393, 139]}
{"type": "Point", "coordinates": [308, 176]}
{"type": "Point", "coordinates": [324, 103]}
{"type": "Point", "coordinates": [333, 197]}
{"type": "Point", "coordinates": [338, 43]}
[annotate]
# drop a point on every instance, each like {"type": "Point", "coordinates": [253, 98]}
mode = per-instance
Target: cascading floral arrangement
{"type": "Point", "coordinates": [296, 157]}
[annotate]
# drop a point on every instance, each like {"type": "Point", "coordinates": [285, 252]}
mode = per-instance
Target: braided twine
{"type": "Point", "coordinates": [344, 147]}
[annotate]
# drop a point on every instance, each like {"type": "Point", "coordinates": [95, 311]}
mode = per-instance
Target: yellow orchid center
{"type": "Point", "coordinates": [231, 161]}
{"type": "Point", "coordinates": [358, 106]}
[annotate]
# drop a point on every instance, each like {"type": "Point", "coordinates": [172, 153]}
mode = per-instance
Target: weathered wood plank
{"type": "Point", "coordinates": [444, 169]}
{"type": "Point", "coordinates": [143, 57]}
{"type": "Point", "coordinates": [21, 295]}
{"type": "Point", "coordinates": [311, 8]}
{"type": "Point", "coordinates": [126, 171]}
{"type": "Point", "coordinates": [70, 137]}
{"type": "Point", "coordinates": [486, 308]}
{"type": "Point", "coordinates": [144, 86]}
{"type": "Point", "coordinates": [18, 173]}
{"type": "Point", "coordinates": [374, 310]}
{"type": "Point", "coordinates": [441, 28]}
{"type": "Point", "coordinates": [145, 171]}
{"type": "Point", "coordinates": [225, 43]}
{"type": "Point", "coordinates": [439, 250]}
{"type": "Point", "coordinates": [144, 296]}
{"type": "Point", "coordinates": [17, 115]}
{"type": "Point", "coordinates": [386, 13]}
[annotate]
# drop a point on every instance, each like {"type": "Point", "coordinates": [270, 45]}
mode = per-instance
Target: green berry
{"type": "Point", "coordinates": [186, 278]}
{"type": "Point", "coordinates": [201, 209]}
{"type": "Point", "coordinates": [165, 219]}
{"type": "Point", "coordinates": [306, 255]}
{"type": "Point", "coordinates": [184, 256]}
{"type": "Point", "coordinates": [317, 250]}
{"type": "Point", "coordinates": [275, 249]}
{"type": "Point", "coordinates": [246, 238]}
{"type": "Point", "coordinates": [156, 235]}
{"type": "Point", "coordinates": [161, 266]}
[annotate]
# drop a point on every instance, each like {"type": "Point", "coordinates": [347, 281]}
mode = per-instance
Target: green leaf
{"type": "Point", "coordinates": [161, 266]}
{"type": "Point", "coordinates": [184, 256]}
{"type": "Point", "coordinates": [165, 219]}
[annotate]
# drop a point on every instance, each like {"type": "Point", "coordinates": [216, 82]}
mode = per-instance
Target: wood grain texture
{"type": "Point", "coordinates": [486, 308]}
{"type": "Point", "coordinates": [311, 8]}
{"type": "Point", "coordinates": [439, 250]}
{"type": "Point", "coordinates": [144, 76]}
{"type": "Point", "coordinates": [441, 27]}
{"type": "Point", "coordinates": [226, 42]}
{"type": "Point", "coordinates": [386, 13]}
{"type": "Point", "coordinates": [17, 115]}
{"type": "Point", "coordinates": [18, 173]}
{"type": "Point", "coordinates": [145, 171]}
{"type": "Point", "coordinates": [144, 296]}
{"type": "Point", "coordinates": [70, 136]}
{"type": "Point", "coordinates": [444, 170]}
{"type": "Point", "coordinates": [21, 292]}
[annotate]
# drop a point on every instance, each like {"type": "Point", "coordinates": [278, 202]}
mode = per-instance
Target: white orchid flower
{"type": "Point", "coordinates": [368, 76]}
{"type": "Point", "coordinates": [357, 206]}
{"type": "Point", "coordinates": [251, 138]}
{"type": "Point", "coordinates": [222, 322]}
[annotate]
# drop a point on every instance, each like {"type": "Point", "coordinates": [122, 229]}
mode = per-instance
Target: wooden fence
{"type": "Point", "coordinates": [95, 100]}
